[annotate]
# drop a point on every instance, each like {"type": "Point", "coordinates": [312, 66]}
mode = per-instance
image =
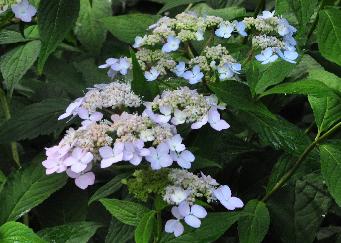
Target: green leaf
{"type": "Point", "coordinates": [296, 210]}
{"type": "Point", "coordinates": [169, 4]}
{"type": "Point", "coordinates": [212, 227]}
{"type": "Point", "coordinates": [25, 189]}
{"type": "Point", "coordinates": [237, 96]}
{"type": "Point", "coordinates": [34, 120]}
{"type": "Point", "coordinates": [55, 20]}
{"type": "Point", "coordinates": [13, 232]}
{"type": "Point", "coordinates": [89, 30]}
{"type": "Point", "coordinates": [327, 111]}
{"type": "Point", "coordinates": [109, 188]}
{"type": "Point", "coordinates": [331, 168]}
{"type": "Point", "coordinates": [329, 34]}
{"type": "Point", "coordinates": [2, 180]}
{"type": "Point", "coordinates": [10, 36]}
{"type": "Point", "coordinates": [229, 13]}
{"type": "Point", "coordinates": [15, 63]}
{"type": "Point", "coordinates": [127, 27]}
{"type": "Point", "coordinates": [329, 79]}
{"type": "Point", "coordinates": [304, 87]}
{"type": "Point", "coordinates": [139, 85]}
{"type": "Point", "coordinates": [70, 233]}
{"type": "Point", "coordinates": [253, 227]}
{"type": "Point", "coordinates": [303, 9]}
{"type": "Point", "coordinates": [201, 162]}
{"type": "Point", "coordinates": [119, 232]}
{"type": "Point", "coordinates": [127, 212]}
{"type": "Point", "coordinates": [144, 229]}
{"type": "Point", "coordinates": [278, 133]}
{"type": "Point", "coordinates": [260, 76]}
{"type": "Point", "coordinates": [69, 204]}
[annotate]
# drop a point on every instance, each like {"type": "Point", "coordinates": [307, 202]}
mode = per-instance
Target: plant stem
{"type": "Point", "coordinates": [299, 161]}
{"type": "Point", "coordinates": [189, 50]}
{"type": "Point", "coordinates": [158, 227]}
{"type": "Point", "coordinates": [261, 6]}
{"type": "Point", "coordinates": [313, 26]}
{"type": "Point", "coordinates": [5, 107]}
{"type": "Point", "coordinates": [189, 7]}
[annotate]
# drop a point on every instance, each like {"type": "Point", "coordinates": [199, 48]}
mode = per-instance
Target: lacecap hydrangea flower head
{"type": "Point", "coordinates": [119, 127]}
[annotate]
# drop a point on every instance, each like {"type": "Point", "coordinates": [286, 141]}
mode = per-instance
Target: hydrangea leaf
{"type": "Point", "coordinates": [305, 87]}
{"type": "Point", "coordinates": [237, 95]}
{"type": "Point", "coordinates": [331, 167]}
{"type": "Point", "coordinates": [15, 63]}
{"type": "Point", "coordinates": [127, 212]}
{"type": "Point", "coordinates": [229, 13]}
{"type": "Point", "coordinates": [10, 36]}
{"type": "Point", "coordinates": [127, 27]}
{"type": "Point", "coordinates": [297, 210]}
{"type": "Point", "coordinates": [148, 90]}
{"type": "Point", "coordinates": [144, 229]}
{"type": "Point", "coordinates": [109, 188]}
{"type": "Point", "coordinates": [34, 120]}
{"type": "Point", "coordinates": [18, 232]}
{"type": "Point", "coordinates": [253, 227]}
{"type": "Point", "coordinates": [169, 4]}
{"type": "Point", "coordinates": [327, 111]}
{"type": "Point", "coordinates": [70, 233]}
{"type": "Point", "coordinates": [119, 232]}
{"type": "Point", "coordinates": [25, 189]}
{"type": "Point", "coordinates": [212, 227]}
{"type": "Point", "coordinates": [329, 34]}
{"type": "Point", "coordinates": [55, 20]}
{"type": "Point", "coordinates": [88, 29]}
{"type": "Point", "coordinates": [329, 79]}
{"type": "Point", "coordinates": [260, 77]}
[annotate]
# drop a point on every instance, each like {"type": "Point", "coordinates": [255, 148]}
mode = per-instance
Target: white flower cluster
{"type": "Point", "coordinates": [76, 152]}
{"type": "Point", "coordinates": [183, 192]}
{"type": "Point", "coordinates": [113, 95]}
{"type": "Point", "coordinates": [184, 105]}
{"type": "Point", "coordinates": [274, 36]}
{"type": "Point", "coordinates": [174, 33]}
{"type": "Point", "coordinates": [22, 9]}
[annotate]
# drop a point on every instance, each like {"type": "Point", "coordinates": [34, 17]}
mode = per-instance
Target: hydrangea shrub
{"type": "Point", "coordinates": [203, 122]}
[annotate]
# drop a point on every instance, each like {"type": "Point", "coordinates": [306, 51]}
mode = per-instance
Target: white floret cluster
{"type": "Point", "coordinates": [274, 36]}
{"type": "Point", "coordinates": [184, 105]}
{"type": "Point", "coordinates": [185, 189]}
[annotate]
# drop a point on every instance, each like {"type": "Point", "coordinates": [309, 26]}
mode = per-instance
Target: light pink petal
{"type": "Point", "coordinates": [105, 163]}
{"type": "Point", "coordinates": [198, 211]}
{"type": "Point", "coordinates": [179, 229]}
{"type": "Point", "coordinates": [83, 113]}
{"type": "Point", "coordinates": [236, 202]}
{"type": "Point", "coordinates": [213, 115]}
{"type": "Point", "coordinates": [78, 167]}
{"type": "Point", "coordinates": [72, 174]}
{"type": "Point", "coordinates": [219, 125]}
{"type": "Point", "coordinates": [170, 225]}
{"type": "Point", "coordinates": [49, 163]}
{"type": "Point", "coordinates": [200, 123]}
{"type": "Point", "coordinates": [176, 213]}
{"type": "Point", "coordinates": [85, 180]}
{"type": "Point", "coordinates": [70, 161]}
{"type": "Point", "coordinates": [136, 160]}
{"type": "Point", "coordinates": [187, 155]}
{"type": "Point", "coordinates": [163, 148]}
{"type": "Point", "coordinates": [51, 170]}
{"type": "Point", "coordinates": [97, 116]}
{"type": "Point", "coordinates": [184, 209]}
{"type": "Point", "coordinates": [87, 158]}
{"type": "Point", "coordinates": [106, 152]}
{"type": "Point", "coordinates": [192, 221]}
